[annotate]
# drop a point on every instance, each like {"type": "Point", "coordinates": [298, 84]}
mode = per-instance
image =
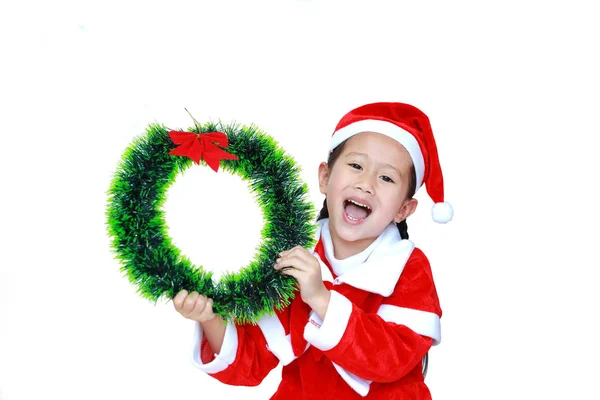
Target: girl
{"type": "Point", "coordinates": [368, 311]}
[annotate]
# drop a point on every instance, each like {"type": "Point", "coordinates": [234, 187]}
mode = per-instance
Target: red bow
{"type": "Point", "coordinates": [201, 146]}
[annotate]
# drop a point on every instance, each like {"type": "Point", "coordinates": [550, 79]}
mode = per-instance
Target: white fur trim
{"type": "Point", "coordinates": [332, 328]}
{"type": "Point", "coordinates": [422, 322]}
{"type": "Point", "coordinates": [278, 342]}
{"type": "Point", "coordinates": [388, 129]}
{"type": "Point", "coordinates": [381, 272]}
{"type": "Point", "coordinates": [326, 274]}
{"type": "Point", "coordinates": [342, 267]}
{"type": "Point", "coordinates": [222, 360]}
{"type": "Point", "coordinates": [359, 385]}
{"type": "Point", "coordinates": [442, 212]}
{"type": "Point", "coordinates": [378, 268]}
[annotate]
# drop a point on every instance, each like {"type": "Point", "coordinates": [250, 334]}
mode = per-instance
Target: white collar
{"type": "Point", "coordinates": [375, 269]}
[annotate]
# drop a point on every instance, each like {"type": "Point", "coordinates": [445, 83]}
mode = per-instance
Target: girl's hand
{"type": "Point", "coordinates": [305, 267]}
{"type": "Point", "coordinates": [194, 306]}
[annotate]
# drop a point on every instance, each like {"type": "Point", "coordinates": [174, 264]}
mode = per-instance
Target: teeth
{"type": "Point", "coordinates": [359, 204]}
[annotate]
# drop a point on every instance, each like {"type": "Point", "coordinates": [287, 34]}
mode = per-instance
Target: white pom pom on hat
{"type": "Point", "coordinates": [411, 128]}
{"type": "Point", "coordinates": [442, 212]}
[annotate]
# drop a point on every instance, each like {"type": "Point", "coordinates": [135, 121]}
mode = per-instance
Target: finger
{"type": "Point", "coordinates": [287, 252]}
{"type": "Point", "coordinates": [304, 255]}
{"type": "Point", "coordinates": [179, 299]}
{"type": "Point", "coordinates": [189, 303]}
{"type": "Point", "coordinates": [300, 252]}
{"type": "Point", "coordinates": [292, 272]}
{"type": "Point", "coordinates": [293, 261]}
{"type": "Point", "coordinates": [199, 307]}
{"type": "Point", "coordinates": [207, 312]}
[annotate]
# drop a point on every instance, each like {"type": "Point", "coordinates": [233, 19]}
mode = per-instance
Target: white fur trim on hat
{"type": "Point", "coordinates": [388, 129]}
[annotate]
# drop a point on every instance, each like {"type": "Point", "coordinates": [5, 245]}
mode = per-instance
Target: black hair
{"type": "Point", "coordinates": [412, 183]}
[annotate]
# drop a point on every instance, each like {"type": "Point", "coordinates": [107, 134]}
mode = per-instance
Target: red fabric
{"type": "Point", "coordinates": [299, 312]}
{"type": "Point", "coordinates": [386, 353]}
{"type": "Point", "coordinates": [416, 288]}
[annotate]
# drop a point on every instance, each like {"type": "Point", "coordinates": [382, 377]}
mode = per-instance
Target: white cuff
{"type": "Point", "coordinates": [326, 334]}
{"type": "Point", "coordinates": [278, 342]}
{"type": "Point", "coordinates": [358, 384]}
{"type": "Point", "coordinates": [228, 350]}
{"type": "Point", "coordinates": [422, 322]}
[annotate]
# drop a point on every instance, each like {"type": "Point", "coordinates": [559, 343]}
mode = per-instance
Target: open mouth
{"type": "Point", "coordinates": [356, 211]}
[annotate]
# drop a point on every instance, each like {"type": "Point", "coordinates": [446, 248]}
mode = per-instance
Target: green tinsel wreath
{"type": "Point", "coordinates": [136, 221]}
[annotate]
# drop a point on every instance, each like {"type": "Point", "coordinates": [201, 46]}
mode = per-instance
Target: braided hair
{"type": "Point", "coordinates": [402, 225]}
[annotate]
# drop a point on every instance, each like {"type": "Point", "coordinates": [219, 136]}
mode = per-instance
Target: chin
{"type": "Point", "coordinates": [352, 233]}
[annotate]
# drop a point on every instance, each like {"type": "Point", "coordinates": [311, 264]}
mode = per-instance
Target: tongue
{"type": "Point", "coordinates": [355, 211]}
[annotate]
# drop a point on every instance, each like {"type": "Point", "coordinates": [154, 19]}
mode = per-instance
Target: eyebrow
{"type": "Point", "coordinates": [354, 153]}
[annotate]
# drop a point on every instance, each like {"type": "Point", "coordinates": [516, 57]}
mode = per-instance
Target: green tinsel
{"type": "Point", "coordinates": [136, 222]}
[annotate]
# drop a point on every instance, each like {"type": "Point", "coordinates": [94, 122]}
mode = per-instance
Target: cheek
{"type": "Point", "coordinates": [333, 191]}
{"type": "Point", "coordinates": [394, 199]}
{"type": "Point", "coordinates": [335, 181]}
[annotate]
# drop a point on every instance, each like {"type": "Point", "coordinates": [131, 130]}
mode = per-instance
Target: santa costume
{"type": "Point", "coordinates": [384, 313]}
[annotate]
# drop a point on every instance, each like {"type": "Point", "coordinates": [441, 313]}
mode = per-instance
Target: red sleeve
{"type": "Point", "coordinates": [386, 345]}
{"type": "Point", "coordinates": [244, 359]}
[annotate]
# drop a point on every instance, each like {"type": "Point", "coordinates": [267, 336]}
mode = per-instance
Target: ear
{"type": "Point", "coordinates": [323, 177]}
{"type": "Point", "coordinates": [409, 207]}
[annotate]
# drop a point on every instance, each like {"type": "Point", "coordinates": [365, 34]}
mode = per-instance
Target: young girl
{"type": "Point", "coordinates": [368, 311]}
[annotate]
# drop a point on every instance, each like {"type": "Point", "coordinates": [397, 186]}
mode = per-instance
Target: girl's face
{"type": "Point", "coordinates": [366, 190]}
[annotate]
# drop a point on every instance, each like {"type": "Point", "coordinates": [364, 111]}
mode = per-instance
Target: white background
{"type": "Point", "coordinates": [512, 92]}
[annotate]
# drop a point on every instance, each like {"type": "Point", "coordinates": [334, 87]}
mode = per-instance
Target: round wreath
{"type": "Point", "coordinates": [136, 220]}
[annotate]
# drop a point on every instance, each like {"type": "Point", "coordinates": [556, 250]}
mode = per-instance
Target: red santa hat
{"type": "Point", "coordinates": [411, 128]}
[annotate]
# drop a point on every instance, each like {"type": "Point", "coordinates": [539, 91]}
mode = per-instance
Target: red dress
{"type": "Point", "coordinates": [383, 317]}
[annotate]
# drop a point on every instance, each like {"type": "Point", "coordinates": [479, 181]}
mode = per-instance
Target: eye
{"type": "Point", "coordinates": [387, 179]}
{"type": "Point", "coordinates": [355, 166]}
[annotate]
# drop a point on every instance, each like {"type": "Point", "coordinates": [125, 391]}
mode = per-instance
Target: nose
{"type": "Point", "coordinates": [365, 184]}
